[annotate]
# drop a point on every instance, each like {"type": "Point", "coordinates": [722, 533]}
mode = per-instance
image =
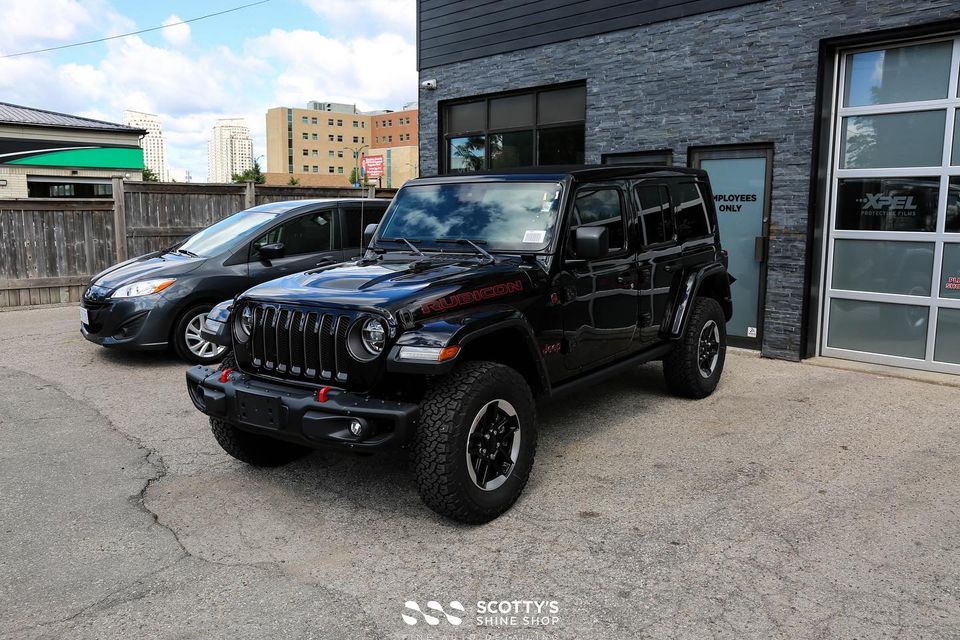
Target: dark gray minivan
{"type": "Point", "coordinates": [160, 300]}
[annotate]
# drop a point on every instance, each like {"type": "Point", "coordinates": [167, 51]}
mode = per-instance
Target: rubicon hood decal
{"type": "Point", "coordinates": [455, 300]}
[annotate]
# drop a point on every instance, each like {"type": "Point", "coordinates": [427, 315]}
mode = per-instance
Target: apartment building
{"type": "Point", "coordinates": [230, 150]}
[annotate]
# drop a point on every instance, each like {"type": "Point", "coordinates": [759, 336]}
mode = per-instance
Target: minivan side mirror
{"type": "Point", "coordinates": [368, 234]}
{"type": "Point", "coordinates": [270, 251]}
{"type": "Point", "coordinates": [591, 243]}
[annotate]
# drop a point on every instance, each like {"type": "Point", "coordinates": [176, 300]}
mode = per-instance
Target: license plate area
{"type": "Point", "coordinates": [84, 316]}
{"type": "Point", "coordinates": [258, 410]}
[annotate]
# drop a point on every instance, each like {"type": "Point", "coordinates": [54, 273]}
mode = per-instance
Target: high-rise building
{"type": "Point", "coordinates": [230, 150]}
{"type": "Point", "coordinates": [322, 144]}
{"type": "Point", "coordinates": [153, 144]}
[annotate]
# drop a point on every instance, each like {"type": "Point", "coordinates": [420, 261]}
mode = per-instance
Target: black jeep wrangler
{"type": "Point", "coordinates": [477, 296]}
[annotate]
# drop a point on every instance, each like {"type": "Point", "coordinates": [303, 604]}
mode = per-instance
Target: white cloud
{"type": "Point", "coordinates": [376, 72]}
{"type": "Point", "coordinates": [31, 24]}
{"type": "Point", "coordinates": [178, 34]}
{"type": "Point", "coordinates": [367, 16]}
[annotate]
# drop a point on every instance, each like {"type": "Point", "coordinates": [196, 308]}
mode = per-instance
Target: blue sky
{"type": "Point", "coordinates": [281, 53]}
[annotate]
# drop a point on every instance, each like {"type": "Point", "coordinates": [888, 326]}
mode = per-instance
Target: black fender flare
{"type": "Point", "coordinates": [688, 287]}
{"type": "Point", "coordinates": [461, 329]}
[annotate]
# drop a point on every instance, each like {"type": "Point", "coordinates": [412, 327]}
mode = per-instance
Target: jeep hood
{"type": "Point", "coordinates": [391, 286]}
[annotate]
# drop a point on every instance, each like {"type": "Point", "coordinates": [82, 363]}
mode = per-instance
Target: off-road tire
{"type": "Point", "coordinates": [178, 340]}
{"type": "Point", "coordinates": [681, 368]}
{"type": "Point", "coordinates": [252, 448]}
{"type": "Point", "coordinates": [440, 445]}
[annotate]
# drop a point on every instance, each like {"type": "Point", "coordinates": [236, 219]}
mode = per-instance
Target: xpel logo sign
{"type": "Point", "coordinates": [432, 620]}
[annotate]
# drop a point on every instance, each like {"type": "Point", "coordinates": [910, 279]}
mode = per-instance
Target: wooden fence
{"type": "Point", "coordinates": [50, 247]}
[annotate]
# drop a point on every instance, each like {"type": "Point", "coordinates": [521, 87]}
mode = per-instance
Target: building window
{"type": "Point", "coordinates": [356, 139]}
{"type": "Point", "coordinates": [304, 119]}
{"type": "Point", "coordinates": [313, 153]}
{"type": "Point", "coordinates": [330, 121]}
{"type": "Point", "coordinates": [306, 168]}
{"type": "Point", "coordinates": [331, 169]}
{"type": "Point", "coordinates": [339, 154]}
{"type": "Point", "coordinates": [331, 137]}
{"type": "Point", "coordinates": [330, 153]}
{"type": "Point", "coordinates": [663, 157]}
{"type": "Point", "coordinates": [313, 136]}
{"type": "Point", "coordinates": [339, 138]}
{"type": "Point", "coordinates": [339, 169]}
{"type": "Point", "coordinates": [316, 169]}
{"type": "Point", "coordinates": [533, 128]}
{"type": "Point", "coordinates": [313, 120]}
{"type": "Point", "coordinates": [339, 123]}
{"type": "Point", "coordinates": [389, 138]}
{"type": "Point", "coordinates": [305, 152]}
{"type": "Point", "coordinates": [304, 136]}
{"type": "Point", "coordinates": [356, 124]}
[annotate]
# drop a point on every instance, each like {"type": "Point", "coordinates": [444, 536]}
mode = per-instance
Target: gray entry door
{"type": "Point", "coordinates": [740, 177]}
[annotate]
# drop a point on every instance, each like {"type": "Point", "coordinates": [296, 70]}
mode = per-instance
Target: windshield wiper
{"type": "Point", "coordinates": [186, 253]}
{"type": "Point", "coordinates": [486, 254]}
{"type": "Point", "coordinates": [404, 241]}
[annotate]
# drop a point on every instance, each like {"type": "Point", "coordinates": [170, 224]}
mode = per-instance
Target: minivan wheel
{"type": "Point", "coordinates": [694, 367]}
{"type": "Point", "coordinates": [187, 341]}
{"type": "Point", "coordinates": [475, 442]}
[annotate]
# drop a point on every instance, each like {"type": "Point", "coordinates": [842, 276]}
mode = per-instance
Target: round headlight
{"type": "Point", "coordinates": [373, 334]}
{"type": "Point", "coordinates": [244, 324]}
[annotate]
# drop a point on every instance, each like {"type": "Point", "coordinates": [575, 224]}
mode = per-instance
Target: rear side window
{"type": "Point", "coordinates": [601, 207]}
{"type": "Point", "coordinates": [354, 222]}
{"type": "Point", "coordinates": [656, 218]}
{"type": "Point", "coordinates": [690, 212]}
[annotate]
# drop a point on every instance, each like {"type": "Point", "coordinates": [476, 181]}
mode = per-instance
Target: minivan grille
{"type": "Point", "coordinates": [298, 344]}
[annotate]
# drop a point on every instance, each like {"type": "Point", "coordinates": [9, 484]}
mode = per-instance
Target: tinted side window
{"type": "Point", "coordinates": [690, 212]}
{"type": "Point", "coordinates": [656, 218]}
{"type": "Point", "coordinates": [306, 234]}
{"type": "Point", "coordinates": [354, 224]}
{"type": "Point", "coordinates": [601, 206]}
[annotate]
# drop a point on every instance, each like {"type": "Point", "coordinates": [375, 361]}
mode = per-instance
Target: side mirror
{"type": "Point", "coordinates": [591, 242]}
{"type": "Point", "coordinates": [270, 251]}
{"type": "Point", "coordinates": [368, 234]}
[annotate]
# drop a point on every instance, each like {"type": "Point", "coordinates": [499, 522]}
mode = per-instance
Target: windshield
{"type": "Point", "coordinates": [507, 216]}
{"type": "Point", "coordinates": [218, 237]}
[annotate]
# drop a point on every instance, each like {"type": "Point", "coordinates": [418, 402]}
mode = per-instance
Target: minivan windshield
{"type": "Point", "coordinates": [505, 216]}
{"type": "Point", "coordinates": [218, 237]}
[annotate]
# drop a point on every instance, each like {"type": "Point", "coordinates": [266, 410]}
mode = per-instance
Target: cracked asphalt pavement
{"type": "Point", "coordinates": [797, 502]}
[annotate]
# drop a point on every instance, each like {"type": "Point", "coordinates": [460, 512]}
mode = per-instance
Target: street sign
{"type": "Point", "coordinates": [373, 166]}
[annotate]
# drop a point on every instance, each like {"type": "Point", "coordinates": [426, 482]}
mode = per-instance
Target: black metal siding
{"type": "Point", "coordinates": [466, 29]}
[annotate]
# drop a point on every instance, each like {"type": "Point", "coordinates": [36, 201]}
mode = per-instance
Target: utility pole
{"type": "Point", "coordinates": [356, 158]}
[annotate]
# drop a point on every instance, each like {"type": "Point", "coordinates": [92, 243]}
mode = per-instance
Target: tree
{"type": "Point", "coordinates": [354, 176]}
{"type": "Point", "coordinates": [149, 175]}
{"type": "Point", "coordinates": [254, 174]}
{"type": "Point", "coordinates": [293, 182]}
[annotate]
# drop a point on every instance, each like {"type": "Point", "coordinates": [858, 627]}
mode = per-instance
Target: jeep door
{"type": "Point", "coordinates": [600, 307]}
{"type": "Point", "coordinates": [307, 240]}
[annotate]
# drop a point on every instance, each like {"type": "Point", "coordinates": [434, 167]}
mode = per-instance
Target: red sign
{"type": "Point", "coordinates": [373, 166]}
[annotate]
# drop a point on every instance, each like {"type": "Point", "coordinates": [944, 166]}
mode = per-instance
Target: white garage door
{"type": "Point", "coordinates": [893, 255]}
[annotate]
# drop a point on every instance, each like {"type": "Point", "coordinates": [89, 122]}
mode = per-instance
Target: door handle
{"type": "Point", "coordinates": [625, 279]}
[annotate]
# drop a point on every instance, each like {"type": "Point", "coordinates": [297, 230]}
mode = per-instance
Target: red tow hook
{"type": "Point", "coordinates": [225, 375]}
{"type": "Point", "coordinates": [322, 394]}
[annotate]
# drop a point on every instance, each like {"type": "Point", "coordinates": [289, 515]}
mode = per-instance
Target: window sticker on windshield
{"type": "Point", "coordinates": [534, 236]}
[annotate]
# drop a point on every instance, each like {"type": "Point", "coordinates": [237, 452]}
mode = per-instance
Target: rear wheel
{"type": "Point", "coordinates": [187, 341]}
{"type": "Point", "coordinates": [694, 367]}
{"type": "Point", "coordinates": [475, 443]}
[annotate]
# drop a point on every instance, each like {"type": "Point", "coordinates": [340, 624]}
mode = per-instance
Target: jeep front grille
{"type": "Point", "coordinates": [298, 344]}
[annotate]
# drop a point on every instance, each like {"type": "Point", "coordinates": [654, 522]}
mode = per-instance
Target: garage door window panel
{"type": "Point", "coordinates": [888, 204]}
{"type": "Point", "coordinates": [878, 327]}
{"type": "Point", "coordinates": [892, 140]}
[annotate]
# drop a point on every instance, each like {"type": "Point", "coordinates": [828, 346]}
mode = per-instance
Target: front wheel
{"type": "Point", "coordinates": [187, 341]}
{"type": "Point", "coordinates": [693, 368]}
{"type": "Point", "coordinates": [475, 442]}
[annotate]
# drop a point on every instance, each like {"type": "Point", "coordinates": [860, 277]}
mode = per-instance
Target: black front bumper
{"type": "Point", "coordinates": [296, 414]}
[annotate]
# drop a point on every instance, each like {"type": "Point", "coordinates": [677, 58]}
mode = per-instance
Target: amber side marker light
{"type": "Point", "coordinates": [429, 354]}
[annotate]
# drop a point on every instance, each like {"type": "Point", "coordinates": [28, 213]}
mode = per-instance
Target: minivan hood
{"type": "Point", "coordinates": [392, 286]}
{"type": "Point", "coordinates": [146, 267]}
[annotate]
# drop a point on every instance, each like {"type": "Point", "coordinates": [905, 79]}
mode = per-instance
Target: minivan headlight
{"type": "Point", "coordinates": [142, 288]}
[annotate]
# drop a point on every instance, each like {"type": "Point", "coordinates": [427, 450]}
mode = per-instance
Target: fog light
{"type": "Point", "coordinates": [429, 354]}
{"type": "Point", "coordinates": [356, 428]}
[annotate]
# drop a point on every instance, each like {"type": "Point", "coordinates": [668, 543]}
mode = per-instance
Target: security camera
{"type": "Point", "coordinates": [430, 85]}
